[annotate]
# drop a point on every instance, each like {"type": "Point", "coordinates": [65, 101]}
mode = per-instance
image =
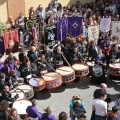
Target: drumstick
{"type": "Point", "coordinates": [63, 70]}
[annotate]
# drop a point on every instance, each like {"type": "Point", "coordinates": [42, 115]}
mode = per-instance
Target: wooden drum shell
{"type": "Point", "coordinates": [66, 78]}
{"type": "Point", "coordinates": [51, 84]}
{"type": "Point", "coordinates": [81, 72]}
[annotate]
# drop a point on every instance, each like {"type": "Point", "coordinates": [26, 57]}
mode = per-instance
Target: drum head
{"type": "Point", "coordinates": [25, 88]}
{"type": "Point", "coordinates": [97, 68]}
{"type": "Point", "coordinates": [79, 66]}
{"type": "Point", "coordinates": [50, 76]}
{"type": "Point", "coordinates": [36, 82]}
{"type": "Point", "coordinates": [65, 70]}
{"type": "Point", "coordinates": [19, 92]}
{"type": "Point", "coordinates": [18, 74]}
{"type": "Point", "coordinates": [90, 64]}
{"type": "Point", "coordinates": [21, 106]}
{"type": "Point", "coordinates": [29, 76]}
{"type": "Point", "coordinates": [116, 65]}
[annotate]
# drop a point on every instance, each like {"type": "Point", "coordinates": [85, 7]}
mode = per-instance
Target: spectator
{"type": "Point", "coordinates": [62, 116]}
{"type": "Point", "coordinates": [113, 114]}
{"type": "Point", "coordinates": [4, 107]}
{"type": "Point", "coordinates": [48, 114]}
{"type": "Point", "coordinates": [13, 115]}
{"type": "Point", "coordinates": [33, 112]}
{"type": "Point", "coordinates": [77, 109]}
{"type": "Point", "coordinates": [100, 106]}
{"type": "Point", "coordinates": [117, 104]}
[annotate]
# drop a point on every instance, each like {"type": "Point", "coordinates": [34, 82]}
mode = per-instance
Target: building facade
{"type": "Point", "coordinates": [14, 7]}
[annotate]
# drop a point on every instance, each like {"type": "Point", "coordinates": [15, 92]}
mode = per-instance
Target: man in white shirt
{"type": "Point", "coordinates": [100, 106]}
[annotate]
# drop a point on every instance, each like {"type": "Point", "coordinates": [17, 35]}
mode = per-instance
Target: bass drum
{"type": "Point", "coordinates": [67, 73]}
{"type": "Point", "coordinates": [81, 69]}
{"type": "Point", "coordinates": [52, 80]}
{"type": "Point", "coordinates": [37, 84]}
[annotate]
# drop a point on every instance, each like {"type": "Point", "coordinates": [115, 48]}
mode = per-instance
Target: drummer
{"type": "Point", "coordinates": [33, 54]}
{"type": "Point", "coordinates": [7, 95]}
{"type": "Point", "coordinates": [48, 54]}
{"type": "Point", "coordinates": [25, 68]}
{"type": "Point", "coordinates": [100, 59]}
{"type": "Point", "coordinates": [58, 57]}
{"type": "Point", "coordinates": [12, 78]}
{"type": "Point", "coordinates": [41, 64]}
{"type": "Point", "coordinates": [114, 54]}
{"type": "Point", "coordinates": [75, 56]}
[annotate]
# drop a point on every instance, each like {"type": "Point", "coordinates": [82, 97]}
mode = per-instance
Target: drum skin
{"type": "Point", "coordinates": [79, 71]}
{"type": "Point", "coordinates": [28, 91]}
{"type": "Point", "coordinates": [21, 106]}
{"type": "Point", "coordinates": [37, 83]}
{"type": "Point", "coordinates": [51, 83]}
{"type": "Point", "coordinates": [114, 70]}
{"type": "Point", "coordinates": [67, 73]}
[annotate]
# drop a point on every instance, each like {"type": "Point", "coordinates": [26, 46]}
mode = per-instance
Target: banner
{"type": "Point", "coordinates": [115, 28]}
{"type": "Point", "coordinates": [11, 41]}
{"type": "Point", "coordinates": [50, 35]}
{"type": "Point", "coordinates": [93, 32]}
{"type": "Point", "coordinates": [105, 24]}
{"type": "Point", "coordinates": [61, 28]}
{"type": "Point", "coordinates": [34, 34]}
{"type": "Point", "coordinates": [75, 26]}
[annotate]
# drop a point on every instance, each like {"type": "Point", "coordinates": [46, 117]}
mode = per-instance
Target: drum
{"type": "Point", "coordinates": [81, 69]}
{"type": "Point", "coordinates": [67, 73]}
{"type": "Point", "coordinates": [97, 70]}
{"type": "Point", "coordinates": [37, 84]}
{"type": "Point", "coordinates": [114, 69]}
{"type": "Point", "coordinates": [43, 72]}
{"type": "Point", "coordinates": [91, 65]}
{"type": "Point", "coordinates": [28, 91]}
{"type": "Point", "coordinates": [21, 106]}
{"type": "Point", "coordinates": [19, 92]}
{"type": "Point", "coordinates": [18, 74]}
{"type": "Point", "coordinates": [52, 80]}
{"type": "Point", "coordinates": [28, 77]}
{"type": "Point", "coordinates": [20, 81]}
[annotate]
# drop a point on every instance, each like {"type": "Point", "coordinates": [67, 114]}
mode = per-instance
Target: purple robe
{"type": "Point", "coordinates": [9, 67]}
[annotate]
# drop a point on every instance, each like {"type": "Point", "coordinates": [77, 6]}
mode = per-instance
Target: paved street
{"type": "Point", "coordinates": [60, 98]}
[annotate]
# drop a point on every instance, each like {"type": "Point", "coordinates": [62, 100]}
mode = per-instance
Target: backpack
{"type": "Point", "coordinates": [45, 117]}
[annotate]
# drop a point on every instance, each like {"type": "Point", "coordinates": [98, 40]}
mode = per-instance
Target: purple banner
{"type": "Point", "coordinates": [75, 26]}
{"type": "Point", "coordinates": [61, 28]}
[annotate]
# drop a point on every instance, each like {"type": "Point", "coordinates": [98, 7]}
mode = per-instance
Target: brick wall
{"type": "Point", "coordinates": [15, 7]}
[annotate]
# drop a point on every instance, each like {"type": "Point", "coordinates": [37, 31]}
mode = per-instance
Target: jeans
{"type": "Point", "coordinates": [97, 117]}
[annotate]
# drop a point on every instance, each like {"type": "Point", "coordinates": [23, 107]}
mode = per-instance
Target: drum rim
{"type": "Point", "coordinates": [81, 69]}
{"type": "Point", "coordinates": [91, 64]}
{"type": "Point", "coordinates": [60, 76]}
{"type": "Point", "coordinates": [36, 86]}
{"type": "Point", "coordinates": [113, 67]}
{"type": "Point", "coordinates": [25, 100]}
{"type": "Point", "coordinates": [66, 74]}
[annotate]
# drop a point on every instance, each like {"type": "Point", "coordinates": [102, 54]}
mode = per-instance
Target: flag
{"type": "Point", "coordinates": [50, 35]}
{"type": "Point", "coordinates": [75, 26]}
{"type": "Point", "coordinates": [61, 29]}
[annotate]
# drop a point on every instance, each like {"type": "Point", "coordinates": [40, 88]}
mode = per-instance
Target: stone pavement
{"type": "Point", "coordinates": [60, 98]}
